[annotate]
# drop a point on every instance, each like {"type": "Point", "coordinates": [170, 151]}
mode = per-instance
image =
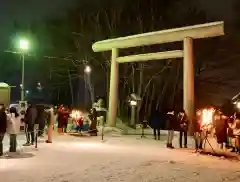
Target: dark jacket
{"type": "Point", "coordinates": [93, 124]}
{"type": "Point", "coordinates": [183, 122]}
{"type": "Point", "coordinates": [31, 116]}
{"type": "Point", "coordinates": [158, 121]}
{"type": "Point", "coordinates": [221, 126]}
{"type": "Point", "coordinates": [40, 115]}
{"type": "Point", "coordinates": [3, 121]}
{"type": "Point", "coordinates": [172, 122]}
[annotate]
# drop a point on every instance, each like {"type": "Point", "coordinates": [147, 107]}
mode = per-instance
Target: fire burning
{"type": "Point", "coordinates": [76, 115]}
{"type": "Point", "coordinates": [206, 118]}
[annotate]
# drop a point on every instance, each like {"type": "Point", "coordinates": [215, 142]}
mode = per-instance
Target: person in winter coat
{"type": "Point", "coordinates": [40, 120]}
{"type": "Point", "coordinates": [170, 126]}
{"type": "Point", "coordinates": [60, 118]}
{"type": "Point", "coordinates": [221, 126]}
{"type": "Point", "coordinates": [183, 128]}
{"type": "Point", "coordinates": [234, 133]}
{"type": "Point", "coordinates": [93, 124]}
{"type": "Point", "coordinates": [30, 119]}
{"type": "Point", "coordinates": [13, 128]}
{"type": "Point", "coordinates": [65, 118]}
{"type": "Point", "coordinates": [156, 125]}
{"type": "Point", "coordinates": [198, 135]}
{"type": "Point", "coordinates": [3, 126]}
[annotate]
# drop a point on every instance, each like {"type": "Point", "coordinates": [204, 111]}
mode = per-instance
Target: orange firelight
{"type": "Point", "coordinates": [75, 114]}
{"type": "Point", "coordinates": [207, 117]}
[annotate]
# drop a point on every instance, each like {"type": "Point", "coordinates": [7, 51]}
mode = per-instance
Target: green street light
{"type": "Point", "coordinates": [23, 44]}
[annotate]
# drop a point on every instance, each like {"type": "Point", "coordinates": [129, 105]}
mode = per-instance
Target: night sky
{"type": "Point", "coordinates": [27, 11]}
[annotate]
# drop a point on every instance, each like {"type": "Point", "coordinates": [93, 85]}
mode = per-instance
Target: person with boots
{"type": "Point", "coordinates": [60, 119]}
{"type": "Point", "coordinates": [183, 128]}
{"type": "Point", "coordinates": [198, 134]}
{"type": "Point", "coordinates": [156, 125]}
{"type": "Point", "coordinates": [221, 126]}
{"type": "Point", "coordinates": [66, 114]}
{"type": "Point", "coordinates": [235, 133]}
{"type": "Point", "coordinates": [170, 125]}
{"type": "Point", "coordinates": [3, 126]}
{"type": "Point", "coordinates": [40, 120]}
{"type": "Point", "coordinates": [30, 119]}
{"type": "Point", "coordinates": [93, 125]}
{"type": "Point", "coordinates": [13, 128]}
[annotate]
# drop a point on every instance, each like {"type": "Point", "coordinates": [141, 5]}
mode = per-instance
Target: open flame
{"type": "Point", "coordinates": [75, 114]}
{"type": "Point", "coordinates": [207, 118]}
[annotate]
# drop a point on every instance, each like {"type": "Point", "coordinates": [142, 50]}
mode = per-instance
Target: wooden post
{"type": "Point", "coordinates": [188, 83]}
{"type": "Point", "coordinates": [113, 92]}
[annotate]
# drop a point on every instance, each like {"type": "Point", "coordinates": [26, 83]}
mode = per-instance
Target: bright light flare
{"type": "Point", "coordinates": [207, 117]}
{"type": "Point", "coordinates": [75, 114]}
{"type": "Point", "coordinates": [133, 103]}
{"type": "Point", "coordinates": [238, 105]}
{"type": "Point", "coordinates": [23, 44]}
{"type": "Point", "coordinates": [87, 69]}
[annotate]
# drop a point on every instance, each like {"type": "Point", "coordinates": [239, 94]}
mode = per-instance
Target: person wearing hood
{"type": "Point", "coordinates": [3, 126]}
{"type": "Point", "coordinates": [13, 128]}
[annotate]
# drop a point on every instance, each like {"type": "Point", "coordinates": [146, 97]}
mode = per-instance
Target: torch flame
{"type": "Point", "coordinates": [75, 114]}
{"type": "Point", "coordinates": [207, 117]}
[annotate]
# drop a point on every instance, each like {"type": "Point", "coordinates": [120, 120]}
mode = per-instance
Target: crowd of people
{"type": "Point", "coordinates": [38, 115]}
{"type": "Point", "coordinates": [225, 129]}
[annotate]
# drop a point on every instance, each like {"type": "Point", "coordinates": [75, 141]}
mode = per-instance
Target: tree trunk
{"type": "Point", "coordinates": [141, 69]}
{"type": "Point", "coordinates": [133, 79]}
{"type": "Point", "coordinates": [107, 85]}
{"type": "Point", "coordinates": [71, 88]}
{"type": "Point", "coordinates": [151, 101]}
{"type": "Point", "coordinates": [90, 88]}
{"type": "Point", "coordinates": [146, 102]}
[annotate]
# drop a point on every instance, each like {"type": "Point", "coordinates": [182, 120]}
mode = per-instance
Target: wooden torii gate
{"type": "Point", "coordinates": [185, 34]}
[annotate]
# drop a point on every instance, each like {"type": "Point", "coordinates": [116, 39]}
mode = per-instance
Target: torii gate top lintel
{"type": "Point", "coordinates": [206, 30]}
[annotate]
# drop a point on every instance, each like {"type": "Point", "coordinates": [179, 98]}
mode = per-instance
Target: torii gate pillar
{"type": "Point", "coordinates": [113, 91]}
{"type": "Point", "coordinates": [188, 81]}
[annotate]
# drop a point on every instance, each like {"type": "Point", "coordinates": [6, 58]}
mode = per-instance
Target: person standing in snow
{"type": "Point", "coordinates": [170, 126]}
{"type": "Point", "coordinates": [156, 125]}
{"type": "Point", "coordinates": [40, 120]}
{"type": "Point", "coordinates": [221, 126]}
{"type": "Point", "coordinates": [30, 119]}
{"type": "Point", "coordinates": [183, 128]}
{"type": "Point", "coordinates": [3, 126]}
{"type": "Point", "coordinates": [198, 135]}
{"type": "Point", "coordinates": [60, 119]}
{"type": "Point", "coordinates": [13, 128]}
{"type": "Point", "coordinates": [65, 118]}
{"type": "Point", "coordinates": [93, 125]}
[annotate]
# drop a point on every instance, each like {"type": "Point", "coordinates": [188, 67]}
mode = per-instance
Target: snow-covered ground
{"type": "Point", "coordinates": [125, 159]}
